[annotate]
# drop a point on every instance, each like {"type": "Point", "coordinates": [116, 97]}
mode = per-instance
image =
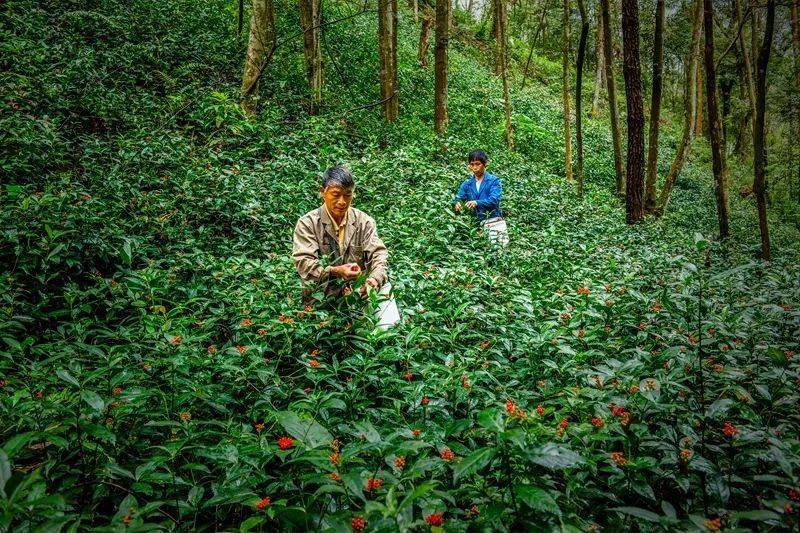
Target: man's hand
{"type": "Point", "coordinates": [369, 284]}
{"type": "Point", "coordinates": [457, 207]}
{"type": "Point", "coordinates": [472, 204]}
{"type": "Point", "coordinates": [346, 272]}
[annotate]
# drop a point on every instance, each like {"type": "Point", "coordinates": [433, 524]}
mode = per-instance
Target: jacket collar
{"type": "Point", "coordinates": [328, 225]}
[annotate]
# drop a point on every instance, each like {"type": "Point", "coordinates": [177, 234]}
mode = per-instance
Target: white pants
{"type": "Point", "coordinates": [497, 230]}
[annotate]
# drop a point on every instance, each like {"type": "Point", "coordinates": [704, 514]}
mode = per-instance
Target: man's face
{"type": "Point", "coordinates": [337, 199]}
{"type": "Point", "coordinates": [477, 167]}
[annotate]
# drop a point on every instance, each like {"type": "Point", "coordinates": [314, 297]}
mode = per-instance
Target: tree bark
{"type": "Point", "coordinates": [611, 88]}
{"type": "Point", "coordinates": [579, 91]}
{"type": "Point", "coordinates": [440, 79]}
{"type": "Point", "coordinates": [424, 39]}
{"type": "Point", "coordinates": [634, 178]}
{"type": "Point", "coordinates": [262, 36]}
{"type": "Point", "coordinates": [747, 64]}
{"type": "Point", "coordinates": [565, 86]}
{"type": "Point", "coordinates": [502, 45]}
{"type": "Point", "coordinates": [795, 40]}
{"type": "Point", "coordinates": [655, 111]}
{"type": "Point", "coordinates": [691, 95]}
{"type": "Point", "coordinates": [698, 115]}
{"type": "Point", "coordinates": [719, 164]}
{"type": "Point", "coordinates": [599, 77]}
{"type": "Point", "coordinates": [533, 42]}
{"type": "Point", "coordinates": [387, 52]}
{"type": "Point", "coordinates": [759, 146]}
{"type": "Point", "coordinates": [310, 22]}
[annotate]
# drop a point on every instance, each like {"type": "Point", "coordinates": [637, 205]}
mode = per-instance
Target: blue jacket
{"type": "Point", "coordinates": [488, 197]}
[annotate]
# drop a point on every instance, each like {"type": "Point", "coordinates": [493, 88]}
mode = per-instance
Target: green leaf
{"type": "Point", "coordinates": [306, 430]}
{"type": "Point", "coordinates": [759, 515]}
{"type": "Point", "coordinates": [537, 499]}
{"type": "Point", "coordinates": [491, 419]}
{"type": "Point", "coordinates": [417, 493]}
{"type": "Point", "coordinates": [554, 457]}
{"type": "Point", "coordinates": [94, 400]}
{"type": "Point", "coordinates": [473, 462]}
{"type": "Point", "coordinates": [250, 523]}
{"type": "Point", "coordinates": [638, 512]}
{"type": "Point", "coordinates": [5, 471]}
{"type": "Point", "coordinates": [66, 376]}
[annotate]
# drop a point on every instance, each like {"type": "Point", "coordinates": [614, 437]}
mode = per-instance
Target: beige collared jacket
{"type": "Point", "coordinates": [316, 250]}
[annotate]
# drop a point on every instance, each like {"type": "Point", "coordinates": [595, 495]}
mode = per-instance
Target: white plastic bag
{"type": "Point", "coordinates": [387, 314]}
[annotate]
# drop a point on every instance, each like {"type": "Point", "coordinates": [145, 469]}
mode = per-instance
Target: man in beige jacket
{"type": "Point", "coordinates": [334, 243]}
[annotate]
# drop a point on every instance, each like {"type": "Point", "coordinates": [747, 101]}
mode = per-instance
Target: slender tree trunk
{"type": "Point", "coordinates": [395, 101]}
{"type": "Point", "coordinates": [310, 22]}
{"type": "Point", "coordinates": [691, 95]}
{"type": "Point", "coordinates": [655, 111]}
{"type": "Point", "coordinates": [502, 45]}
{"type": "Point", "coordinates": [579, 91]}
{"type": "Point", "coordinates": [533, 42]}
{"type": "Point", "coordinates": [714, 123]}
{"type": "Point", "coordinates": [698, 115]}
{"type": "Point", "coordinates": [634, 179]}
{"type": "Point", "coordinates": [427, 21]}
{"type": "Point", "coordinates": [599, 77]}
{"type": "Point", "coordinates": [759, 146]}
{"type": "Point", "coordinates": [747, 64]}
{"type": "Point", "coordinates": [565, 82]}
{"type": "Point", "coordinates": [262, 36]}
{"type": "Point", "coordinates": [440, 80]}
{"type": "Point", "coordinates": [416, 11]}
{"type": "Point", "coordinates": [608, 51]}
{"type": "Point", "coordinates": [795, 40]}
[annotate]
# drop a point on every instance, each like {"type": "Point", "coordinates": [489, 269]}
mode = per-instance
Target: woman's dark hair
{"type": "Point", "coordinates": [339, 177]}
{"type": "Point", "coordinates": [477, 155]}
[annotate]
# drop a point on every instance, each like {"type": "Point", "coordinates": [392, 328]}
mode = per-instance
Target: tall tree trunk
{"type": "Point", "coordinates": [440, 80]}
{"type": "Point", "coordinates": [579, 91]}
{"type": "Point", "coordinates": [502, 45]}
{"type": "Point", "coordinates": [634, 178]}
{"type": "Point", "coordinates": [698, 114]}
{"type": "Point", "coordinates": [395, 101]}
{"type": "Point", "coordinates": [714, 124]}
{"type": "Point", "coordinates": [795, 40]}
{"type": "Point", "coordinates": [599, 77]}
{"type": "Point", "coordinates": [655, 111]}
{"type": "Point", "coordinates": [262, 37]}
{"type": "Point", "coordinates": [387, 48]}
{"type": "Point", "coordinates": [422, 51]}
{"type": "Point", "coordinates": [747, 64]}
{"type": "Point", "coordinates": [690, 108]}
{"type": "Point", "coordinates": [608, 51]}
{"type": "Point", "coordinates": [565, 86]}
{"type": "Point", "coordinates": [416, 11]}
{"type": "Point", "coordinates": [310, 22]}
{"type": "Point", "coordinates": [533, 41]}
{"type": "Point", "coordinates": [759, 147]}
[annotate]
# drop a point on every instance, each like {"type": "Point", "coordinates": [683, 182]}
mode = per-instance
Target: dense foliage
{"type": "Point", "coordinates": [158, 369]}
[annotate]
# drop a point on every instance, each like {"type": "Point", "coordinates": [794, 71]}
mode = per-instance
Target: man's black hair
{"type": "Point", "coordinates": [338, 177]}
{"type": "Point", "coordinates": [477, 155]}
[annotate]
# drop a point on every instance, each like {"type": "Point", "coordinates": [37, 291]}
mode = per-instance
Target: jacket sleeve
{"type": "Point", "coordinates": [377, 254]}
{"type": "Point", "coordinates": [495, 193]}
{"type": "Point", "coordinates": [461, 195]}
{"type": "Point", "coordinates": [306, 255]}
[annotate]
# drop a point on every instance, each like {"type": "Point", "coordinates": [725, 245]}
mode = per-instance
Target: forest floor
{"type": "Point", "coordinates": [159, 368]}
